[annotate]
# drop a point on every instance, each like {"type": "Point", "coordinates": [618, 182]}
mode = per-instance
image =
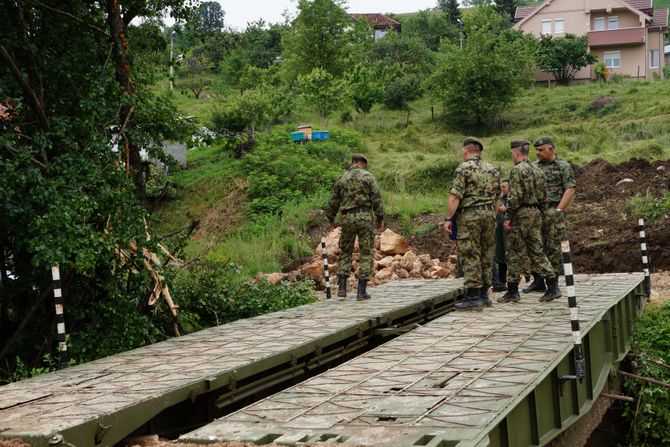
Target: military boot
{"type": "Point", "coordinates": [552, 292]}
{"type": "Point", "coordinates": [512, 294]}
{"type": "Point", "coordinates": [536, 286]}
{"type": "Point", "coordinates": [484, 295]}
{"type": "Point", "coordinates": [341, 286]}
{"type": "Point", "coordinates": [362, 294]}
{"type": "Point", "coordinates": [472, 301]}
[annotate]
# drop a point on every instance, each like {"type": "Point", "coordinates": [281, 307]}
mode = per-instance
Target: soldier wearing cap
{"type": "Point", "coordinates": [526, 199]}
{"type": "Point", "coordinates": [560, 190]}
{"type": "Point", "coordinates": [356, 196]}
{"type": "Point", "coordinates": [474, 195]}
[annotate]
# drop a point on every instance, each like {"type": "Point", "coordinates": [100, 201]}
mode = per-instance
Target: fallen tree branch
{"type": "Point", "coordinates": [644, 379]}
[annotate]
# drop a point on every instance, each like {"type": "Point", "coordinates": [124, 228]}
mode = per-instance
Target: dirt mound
{"type": "Point", "coordinates": [603, 236]}
{"type": "Point", "coordinates": [600, 180]}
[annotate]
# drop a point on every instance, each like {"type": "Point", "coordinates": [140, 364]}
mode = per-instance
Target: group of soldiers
{"type": "Point", "coordinates": [530, 206]}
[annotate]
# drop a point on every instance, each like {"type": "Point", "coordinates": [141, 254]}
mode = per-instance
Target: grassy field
{"type": "Point", "coordinates": [413, 163]}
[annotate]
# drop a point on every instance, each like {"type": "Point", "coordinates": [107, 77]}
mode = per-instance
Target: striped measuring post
{"type": "Point", "coordinates": [60, 318]}
{"type": "Point", "coordinates": [580, 365]}
{"type": "Point", "coordinates": [645, 257]}
{"type": "Point", "coordinates": [326, 273]}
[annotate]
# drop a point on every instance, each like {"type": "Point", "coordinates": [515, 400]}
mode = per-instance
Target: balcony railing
{"type": "Point", "coordinates": [620, 36]}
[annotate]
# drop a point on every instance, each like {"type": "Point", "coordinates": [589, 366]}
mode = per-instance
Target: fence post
{"type": "Point", "coordinates": [60, 318]}
{"type": "Point", "coordinates": [326, 273]}
{"type": "Point", "coordinates": [645, 257]}
{"type": "Point", "coordinates": [580, 365]}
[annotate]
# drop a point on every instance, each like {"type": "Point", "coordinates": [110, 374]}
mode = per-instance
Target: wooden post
{"type": "Point", "coordinates": [60, 318]}
{"type": "Point", "coordinates": [326, 273]}
{"type": "Point", "coordinates": [580, 364]}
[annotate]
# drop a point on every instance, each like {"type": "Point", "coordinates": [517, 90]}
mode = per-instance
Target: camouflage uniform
{"type": "Point", "coordinates": [477, 185]}
{"type": "Point", "coordinates": [356, 195]}
{"type": "Point", "coordinates": [559, 177]}
{"type": "Point", "coordinates": [527, 196]}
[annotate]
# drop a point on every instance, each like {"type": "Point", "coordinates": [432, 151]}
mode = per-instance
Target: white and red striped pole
{"type": "Point", "coordinates": [60, 317]}
{"type": "Point", "coordinates": [580, 364]}
{"type": "Point", "coordinates": [645, 257]}
{"type": "Point", "coordinates": [326, 273]}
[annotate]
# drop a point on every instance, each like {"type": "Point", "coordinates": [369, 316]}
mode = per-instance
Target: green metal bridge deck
{"type": "Point", "coordinates": [491, 378]}
{"type": "Point", "coordinates": [185, 382]}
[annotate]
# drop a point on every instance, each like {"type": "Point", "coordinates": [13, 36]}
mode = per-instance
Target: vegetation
{"type": "Point", "coordinates": [650, 414]}
{"type": "Point", "coordinates": [564, 57]}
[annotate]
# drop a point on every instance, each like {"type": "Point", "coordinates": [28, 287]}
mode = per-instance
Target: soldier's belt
{"type": "Point", "coordinates": [359, 209]}
{"type": "Point", "coordinates": [478, 207]}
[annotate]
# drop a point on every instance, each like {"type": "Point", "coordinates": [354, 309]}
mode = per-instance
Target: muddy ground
{"type": "Point", "coordinates": [603, 233]}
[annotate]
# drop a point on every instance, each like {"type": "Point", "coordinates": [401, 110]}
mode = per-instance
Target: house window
{"type": "Point", "coordinates": [653, 59]}
{"type": "Point", "coordinates": [546, 27]}
{"type": "Point", "coordinates": [558, 26]}
{"type": "Point", "coordinates": [613, 22]}
{"type": "Point", "coordinates": [379, 33]}
{"type": "Point", "coordinates": [612, 59]}
{"type": "Point", "coordinates": [599, 24]}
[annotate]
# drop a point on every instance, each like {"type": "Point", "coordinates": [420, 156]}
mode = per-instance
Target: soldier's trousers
{"type": "Point", "coordinates": [525, 240]}
{"type": "Point", "coordinates": [476, 245]}
{"type": "Point", "coordinates": [553, 229]}
{"type": "Point", "coordinates": [362, 225]}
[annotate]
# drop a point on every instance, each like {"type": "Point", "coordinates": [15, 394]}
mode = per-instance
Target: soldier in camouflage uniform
{"type": "Point", "coordinates": [356, 195]}
{"type": "Point", "coordinates": [527, 197]}
{"type": "Point", "coordinates": [474, 194]}
{"type": "Point", "coordinates": [560, 190]}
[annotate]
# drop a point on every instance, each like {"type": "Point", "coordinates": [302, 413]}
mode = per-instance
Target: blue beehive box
{"type": "Point", "coordinates": [320, 135]}
{"type": "Point", "coordinates": [297, 136]}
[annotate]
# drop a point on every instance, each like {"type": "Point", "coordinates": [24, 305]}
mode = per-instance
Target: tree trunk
{"type": "Point", "coordinates": [122, 74]}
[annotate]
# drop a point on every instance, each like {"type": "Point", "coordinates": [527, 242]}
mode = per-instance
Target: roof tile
{"type": "Point", "coordinates": [660, 18]}
{"type": "Point", "coordinates": [523, 11]}
{"type": "Point", "coordinates": [640, 4]}
{"type": "Point", "coordinates": [376, 19]}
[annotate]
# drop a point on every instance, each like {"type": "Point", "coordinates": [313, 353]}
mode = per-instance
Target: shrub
{"type": "Point", "coordinates": [649, 207]}
{"type": "Point", "coordinates": [212, 293]}
{"type": "Point", "coordinates": [436, 177]}
{"type": "Point", "coordinates": [651, 350]}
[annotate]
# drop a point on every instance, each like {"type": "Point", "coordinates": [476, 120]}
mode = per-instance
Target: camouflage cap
{"type": "Point", "coordinates": [468, 141]}
{"type": "Point", "coordinates": [543, 140]}
{"type": "Point", "coordinates": [359, 157]}
{"type": "Point", "coordinates": [519, 143]}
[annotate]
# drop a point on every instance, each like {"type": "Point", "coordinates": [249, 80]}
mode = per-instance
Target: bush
{"type": "Point", "coordinates": [281, 171]}
{"type": "Point", "coordinates": [650, 416]}
{"type": "Point", "coordinates": [212, 293]}
{"type": "Point", "coordinates": [436, 177]}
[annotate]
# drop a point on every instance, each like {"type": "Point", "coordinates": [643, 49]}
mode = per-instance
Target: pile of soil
{"type": "Point", "coordinates": [601, 239]}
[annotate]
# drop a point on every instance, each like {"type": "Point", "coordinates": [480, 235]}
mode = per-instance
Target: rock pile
{"type": "Point", "coordinates": [393, 260]}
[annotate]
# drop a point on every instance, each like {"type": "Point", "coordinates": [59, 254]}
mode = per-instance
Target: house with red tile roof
{"type": "Point", "coordinates": [380, 23]}
{"type": "Point", "coordinates": [627, 35]}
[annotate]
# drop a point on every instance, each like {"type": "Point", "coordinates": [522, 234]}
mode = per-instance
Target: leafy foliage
{"type": "Point", "coordinates": [212, 293]}
{"type": "Point", "coordinates": [433, 28]}
{"type": "Point", "coordinates": [650, 415]}
{"type": "Point", "coordinates": [451, 10]}
{"type": "Point", "coordinates": [564, 56]}
{"type": "Point", "coordinates": [322, 92]}
{"type": "Point", "coordinates": [650, 207]}
{"type": "Point", "coordinates": [365, 87]}
{"type": "Point", "coordinates": [477, 83]}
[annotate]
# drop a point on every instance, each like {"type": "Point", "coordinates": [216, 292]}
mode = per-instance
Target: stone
{"type": "Point", "coordinates": [275, 278]}
{"type": "Point", "coordinates": [409, 260]}
{"type": "Point", "coordinates": [660, 169]}
{"type": "Point", "coordinates": [393, 243]}
{"type": "Point", "coordinates": [385, 262]}
{"type": "Point", "coordinates": [436, 272]}
{"type": "Point", "coordinates": [425, 259]}
{"type": "Point", "coordinates": [402, 273]}
{"type": "Point", "coordinates": [384, 274]}
{"type": "Point", "coordinates": [312, 270]}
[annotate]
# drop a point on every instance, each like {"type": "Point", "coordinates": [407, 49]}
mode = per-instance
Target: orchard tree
{"type": "Point", "coordinates": [365, 87]}
{"type": "Point", "coordinates": [321, 91]}
{"type": "Point", "coordinates": [431, 28]}
{"type": "Point", "coordinates": [194, 74]}
{"type": "Point", "coordinates": [563, 57]}
{"type": "Point", "coordinates": [207, 19]}
{"type": "Point", "coordinates": [476, 84]}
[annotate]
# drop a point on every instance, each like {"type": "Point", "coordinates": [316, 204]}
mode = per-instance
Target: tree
{"type": "Point", "coordinates": [480, 81]}
{"type": "Point", "coordinates": [431, 28]}
{"type": "Point", "coordinates": [564, 56]}
{"type": "Point", "coordinates": [233, 68]}
{"type": "Point", "coordinates": [451, 10]}
{"type": "Point", "coordinates": [73, 69]}
{"type": "Point", "coordinates": [318, 38]}
{"type": "Point", "coordinates": [194, 74]}
{"type": "Point", "coordinates": [507, 8]}
{"type": "Point", "coordinates": [322, 91]}
{"type": "Point", "coordinates": [262, 43]}
{"type": "Point", "coordinates": [366, 87]}
{"type": "Point", "coordinates": [208, 18]}
{"type": "Point", "coordinates": [408, 53]}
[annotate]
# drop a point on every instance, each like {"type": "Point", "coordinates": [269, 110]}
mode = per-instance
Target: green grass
{"type": "Point", "coordinates": [413, 164]}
